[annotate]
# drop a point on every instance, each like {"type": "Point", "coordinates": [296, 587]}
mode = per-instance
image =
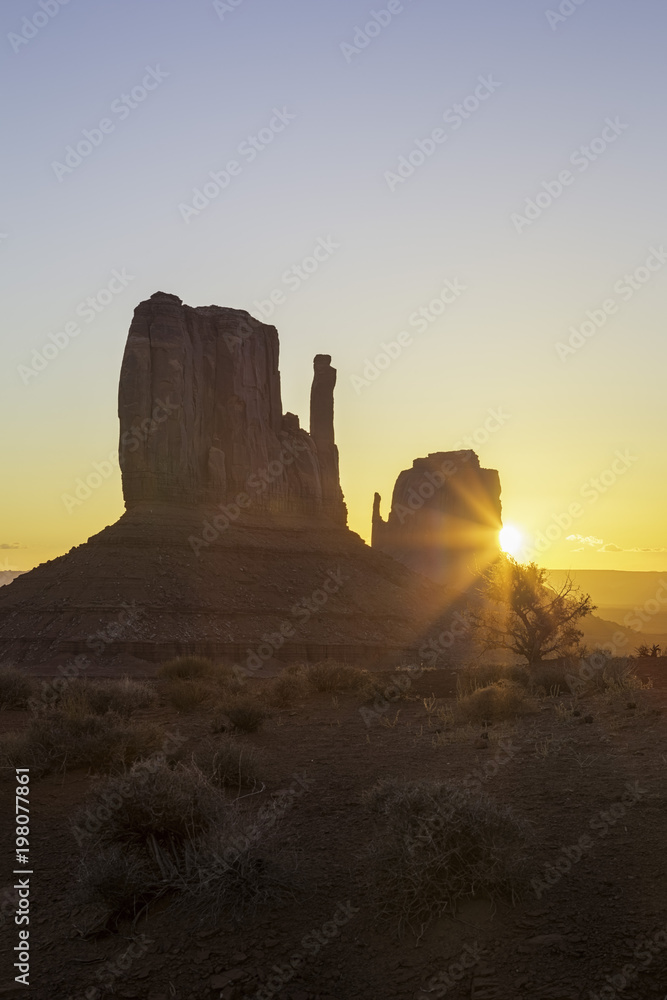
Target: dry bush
{"type": "Point", "coordinates": [436, 844]}
{"type": "Point", "coordinates": [227, 763]}
{"type": "Point", "coordinates": [502, 700]}
{"type": "Point", "coordinates": [15, 688]}
{"type": "Point", "coordinates": [618, 675]}
{"type": "Point", "coordinates": [188, 668]}
{"type": "Point", "coordinates": [477, 675]}
{"type": "Point", "coordinates": [172, 831]}
{"type": "Point", "coordinates": [551, 676]}
{"type": "Point", "coordinates": [288, 688]}
{"type": "Point", "coordinates": [123, 697]}
{"type": "Point", "coordinates": [596, 673]}
{"type": "Point", "coordinates": [246, 714]}
{"type": "Point", "coordinates": [58, 740]}
{"type": "Point", "coordinates": [157, 805]}
{"type": "Point", "coordinates": [331, 677]}
{"type": "Point", "coordinates": [567, 713]}
{"type": "Point", "coordinates": [186, 696]}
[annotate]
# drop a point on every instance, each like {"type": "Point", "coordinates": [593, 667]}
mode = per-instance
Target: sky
{"type": "Point", "coordinates": [484, 182]}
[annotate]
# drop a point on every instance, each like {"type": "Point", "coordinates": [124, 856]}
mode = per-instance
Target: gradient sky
{"type": "Point", "coordinates": [324, 177]}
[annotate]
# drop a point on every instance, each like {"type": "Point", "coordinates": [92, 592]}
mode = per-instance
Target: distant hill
{"type": "Point", "coordinates": [7, 575]}
{"type": "Point", "coordinates": [634, 599]}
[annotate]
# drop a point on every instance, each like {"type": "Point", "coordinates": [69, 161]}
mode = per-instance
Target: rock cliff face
{"type": "Point", "coordinates": [234, 543]}
{"type": "Point", "coordinates": [445, 517]}
{"type": "Point", "coordinates": [201, 417]}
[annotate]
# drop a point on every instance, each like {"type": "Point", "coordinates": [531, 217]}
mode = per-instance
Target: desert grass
{"type": "Point", "coordinates": [15, 688]}
{"type": "Point", "coordinates": [190, 681]}
{"type": "Point", "coordinates": [63, 740]}
{"type": "Point", "coordinates": [502, 700]}
{"type": "Point", "coordinates": [173, 832]}
{"type": "Point", "coordinates": [187, 695]}
{"type": "Point", "coordinates": [288, 689]}
{"type": "Point", "coordinates": [97, 697]}
{"type": "Point", "coordinates": [244, 713]}
{"type": "Point", "coordinates": [228, 763]}
{"type": "Point", "coordinates": [477, 675]}
{"type": "Point", "coordinates": [187, 668]}
{"type": "Point", "coordinates": [331, 677]}
{"type": "Point", "coordinates": [436, 844]}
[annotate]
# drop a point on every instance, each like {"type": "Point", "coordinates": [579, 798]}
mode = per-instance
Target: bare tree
{"type": "Point", "coordinates": [522, 613]}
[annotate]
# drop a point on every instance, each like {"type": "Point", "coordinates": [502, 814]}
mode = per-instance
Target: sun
{"type": "Point", "coordinates": [511, 540]}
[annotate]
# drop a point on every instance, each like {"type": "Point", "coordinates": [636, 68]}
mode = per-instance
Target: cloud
{"type": "Point", "coordinates": [601, 546]}
{"type": "Point", "coordinates": [586, 540]}
{"type": "Point", "coordinates": [13, 545]}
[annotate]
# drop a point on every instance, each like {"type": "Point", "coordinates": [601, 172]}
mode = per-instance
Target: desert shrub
{"type": "Point", "coordinates": [601, 672]}
{"type": "Point", "coordinates": [15, 688]}
{"type": "Point", "coordinates": [331, 677]}
{"type": "Point", "coordinates": [227, 763]}
{"type": "Point", "coordinates": [502, 700]}
{"type": "Point", "coordinates": [120, 879]}
{"type": "Point", "coordinates": [123, 697]}
{"type": "Point", "coordinates": [617, 675]}
{"type": "Point", "coordinates": [172, 831]}
{"type": "Point", "coordinates": [287, 689]}
{"type": "Point", "coordinates": [295, 668]}
{"type": "Point", "coordinates": [244, 713]}
{"type": "Point", "coordinates": [477, 675]}
{"type": "Point", "coordinates": [551, 676]}
{"type": "Point", "coordinates": [187, 668]}
{"type": "Point", "coordinates": [436, 844]}
{"type": "Point", "coordinates": [158, 805]}
{"type": "Point", "coordinates": [59, 740]}
{"type": "Point", "coordinates": [186, 696]}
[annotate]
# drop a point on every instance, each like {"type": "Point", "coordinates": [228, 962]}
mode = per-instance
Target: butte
{"type": "Point", "coordinates": [234, 543]}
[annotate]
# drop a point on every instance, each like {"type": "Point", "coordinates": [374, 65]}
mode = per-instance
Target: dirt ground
{"type": "Point", "coordinates": [593, 789]}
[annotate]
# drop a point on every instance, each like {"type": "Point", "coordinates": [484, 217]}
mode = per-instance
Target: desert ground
{"type": "Point", "coordinates": [325, 905]}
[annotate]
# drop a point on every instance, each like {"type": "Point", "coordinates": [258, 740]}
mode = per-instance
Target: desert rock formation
{"type": "Point", "coordinates": [444, 519]}
{"type": "Point", "coordinates": [218, 370]}
{"type": "Point", "coordinates": [234, 541]}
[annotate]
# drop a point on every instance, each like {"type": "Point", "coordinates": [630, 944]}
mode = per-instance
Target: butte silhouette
{"type": "Point", "coordinates": [234, 543]}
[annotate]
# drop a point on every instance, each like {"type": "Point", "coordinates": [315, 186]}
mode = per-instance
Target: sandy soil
{"type": "Point", "coordinates": [565, 941]}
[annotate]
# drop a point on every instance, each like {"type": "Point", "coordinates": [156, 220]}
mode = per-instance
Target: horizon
{"type": "Point", "coordinates": [487, 214]}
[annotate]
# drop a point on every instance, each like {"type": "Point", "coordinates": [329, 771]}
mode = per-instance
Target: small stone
{"type": "Point", "coordinates": [219, 981]}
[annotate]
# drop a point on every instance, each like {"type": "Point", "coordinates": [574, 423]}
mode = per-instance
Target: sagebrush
{"type": "Point", "coordinates": [436, 844]}
{"type": "Point", "coordinates": [172, 831]}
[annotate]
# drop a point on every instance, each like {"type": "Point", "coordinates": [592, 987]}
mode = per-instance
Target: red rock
{"type": "Point", "coordinates": [444, 519]}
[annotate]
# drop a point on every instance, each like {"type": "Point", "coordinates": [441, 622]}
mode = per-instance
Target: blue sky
{"type": "Point", "coordinates": [222, 76]}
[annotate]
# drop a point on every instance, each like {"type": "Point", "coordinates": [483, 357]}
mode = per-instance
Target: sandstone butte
{"type": "Point", "coordinates": [234, 542]}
